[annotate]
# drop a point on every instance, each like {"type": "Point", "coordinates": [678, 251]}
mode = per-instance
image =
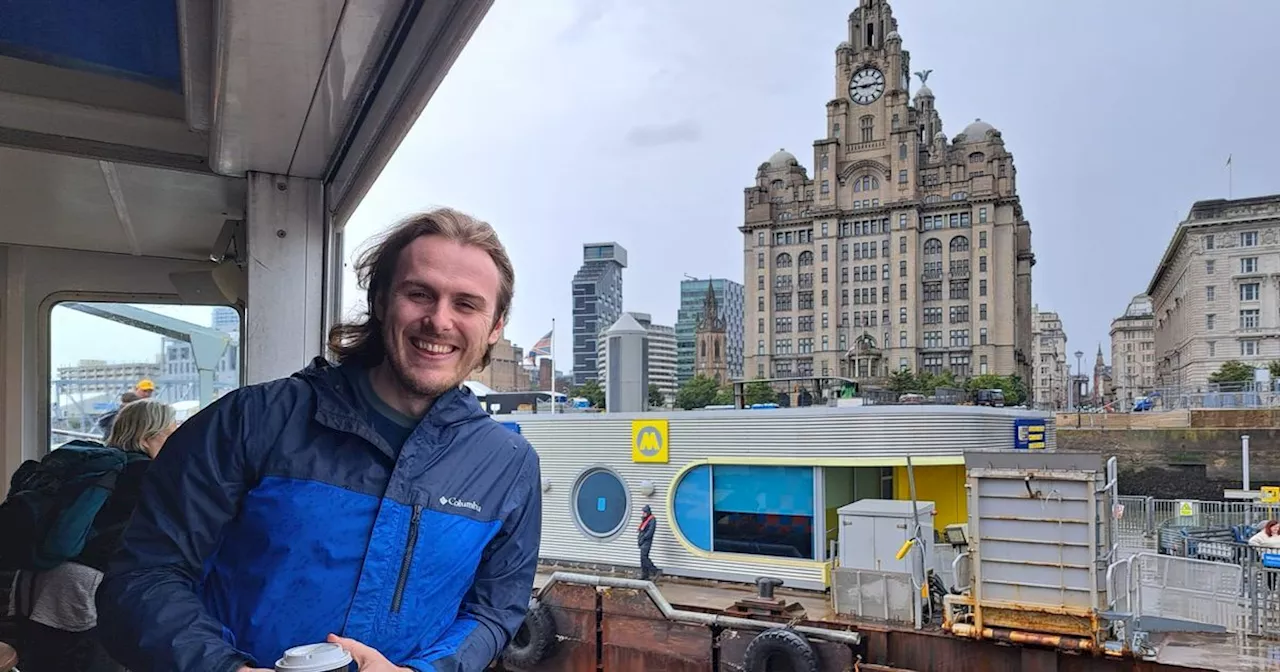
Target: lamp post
{"type": "Point", "coordinates": [1076, 385]}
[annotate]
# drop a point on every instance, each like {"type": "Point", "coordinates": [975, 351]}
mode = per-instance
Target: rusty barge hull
{"type": "Point", "coordinates": [623, 630]}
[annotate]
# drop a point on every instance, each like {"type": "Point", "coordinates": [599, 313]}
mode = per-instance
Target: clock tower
{"type": "Point", "coordinates": [901, 242]}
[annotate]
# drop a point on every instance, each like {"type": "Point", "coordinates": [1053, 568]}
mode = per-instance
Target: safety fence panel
{"type": "Point", "coordinates": [1199, 591]}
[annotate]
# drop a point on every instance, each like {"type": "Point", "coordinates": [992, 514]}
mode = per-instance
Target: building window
{"type": "Point", "coordinates": [959, 338]}
{"type": "Point", "coordinates": [782, 302]}
{"type": "Point", "coordinates": [982, 288]}
{"type": "Point", "coordinates": [760, 347]}
{"type": "Point", "coordinates": [982, 311]}
{"type": "Point", "coordinates": [825, 320]}
{"type": "Point", "coordinates": [982, 240]}
{"type": "Point", "coordinates": [1248, 348]}
{"type": "Point", "coordinates": [601, 505]}
{"type": "Point", "coordinates": [1248, 239]}
{"type": "Point", "coordinates": [902, 149]}
{"type": "Point", "coordinates": [982, 336]}
{"type": "Point", "coordinates": [1249, 265]}
{"type": "Point", "coordinates": [982, 365]}
{"type": "Point", "coordinates": [982, 264]}
{"type": "Point", "coordinates": [902, 269]}
{"type": "Point", "coordinates": [902, 177]}
{"type": "Point", "coordinates": [824, 250]}
{"type": "Point", "coordinates": [902, 315]}
{"type": "Point", "coordinates": [982, 215]}
{"type": "Point", "coordinates": [825, 188]}
{"type": "Point", "coordinates": [1212, 347]}
{"type": "Point", "coordinates": [1208, 321]}
{"type": "Point", "coordinates": [1249, 318]}
{"type": "Point", "coordinates": [1249, 291]}
{"type": "Point", "coordinates": [867, 125]}
{"type": "Point", "coordinates": [902, 292]}
{"type": "Point", "coordinates": [760, 282]}
{"type": "Point", "coordinates": [1208, 242]}
{"type": "Point", "coordinates": [1208, 295]}
{"type": "Point", "coordinates": [759, 259]}
{"type": "Point", "coordinates": [1208, 267]}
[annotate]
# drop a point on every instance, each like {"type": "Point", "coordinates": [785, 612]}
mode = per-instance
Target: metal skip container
{"type": "Point", "coordinates": [1041, 540]}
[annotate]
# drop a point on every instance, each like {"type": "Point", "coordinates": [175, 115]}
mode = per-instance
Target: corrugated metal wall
{"type": "Point", "coordinates": [571, 443]}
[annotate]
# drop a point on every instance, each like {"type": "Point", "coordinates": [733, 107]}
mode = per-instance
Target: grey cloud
{"type": "Point", "coordinates": [655, 135]}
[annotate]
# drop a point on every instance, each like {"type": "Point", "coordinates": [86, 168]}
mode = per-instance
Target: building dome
{"type": "Point", "coordinates": [782, 159]}
{"type": "Point", "coordinates": [843, 46]}
{"type": "Point", "coordinates": [977, 131]}
{"type": "Point", "coordinates": [924, 92]}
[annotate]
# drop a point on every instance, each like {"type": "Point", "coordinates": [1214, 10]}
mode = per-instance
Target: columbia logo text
{"type": "Point", "coordinates": [454, 501]}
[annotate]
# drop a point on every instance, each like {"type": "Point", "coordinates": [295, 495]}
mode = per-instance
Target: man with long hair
{"type": "Point", "coordinates": [373, 503]}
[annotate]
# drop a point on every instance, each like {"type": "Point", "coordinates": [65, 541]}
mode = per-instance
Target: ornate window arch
{"type": "Point", "coordinates": [783, 260]}
{"type": "Point", "coordinates": [959, 244]}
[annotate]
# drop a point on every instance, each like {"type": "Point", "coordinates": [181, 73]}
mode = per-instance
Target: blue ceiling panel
{"type": "Point", "coordinates": [135, 39]}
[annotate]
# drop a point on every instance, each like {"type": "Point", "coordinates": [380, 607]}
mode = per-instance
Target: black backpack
{"type": "Point", "coordinates": [48, 515]}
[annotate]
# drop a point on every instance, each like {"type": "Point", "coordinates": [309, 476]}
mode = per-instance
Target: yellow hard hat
{"type": "Point", "coordinates": [146, 384]}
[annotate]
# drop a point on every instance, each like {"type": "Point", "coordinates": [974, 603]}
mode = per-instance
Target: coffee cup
{"type": "Point", "coordinates": [324, 657]}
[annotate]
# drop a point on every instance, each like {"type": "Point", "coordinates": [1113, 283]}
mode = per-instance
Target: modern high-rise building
{"type": "Point", "coordinates": [1048, 384]}
{"type": "Point", "coordinates": [729, 301]}
{"type": "Point", "coordinates": [909, 244]}
{"type": "Point", "coordinates": [597, 303]}
{"type": "Point", "coordinates": [1133, 348]}
{"type": "Point", "coordinates": [1213, 296]}
{"type": "Point", "coordinates": [662, 356]}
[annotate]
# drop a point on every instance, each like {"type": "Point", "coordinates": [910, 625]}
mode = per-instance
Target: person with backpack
{"type": "Point", "coordinates": [62, 522]}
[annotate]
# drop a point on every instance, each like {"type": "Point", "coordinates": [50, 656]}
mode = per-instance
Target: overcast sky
{"type": "Point", "coordinates": [573, 121]}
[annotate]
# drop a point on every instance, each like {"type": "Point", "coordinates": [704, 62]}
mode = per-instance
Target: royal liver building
{"type": "Point", "coordinates": [905, 249]}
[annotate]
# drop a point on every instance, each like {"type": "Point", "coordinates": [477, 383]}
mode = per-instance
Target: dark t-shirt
{"type": "Point", "coordinates": [394, 426]}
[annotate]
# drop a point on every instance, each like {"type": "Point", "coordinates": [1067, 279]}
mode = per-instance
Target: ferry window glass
{"type": "Point", "coordinates": [763, 510]}
{"type": "Point", "coordinates": [600, 503]}
{"type": "Point", "coordinates": [691, 511]}
{"type": "Point", "coordinates": [185, 356]}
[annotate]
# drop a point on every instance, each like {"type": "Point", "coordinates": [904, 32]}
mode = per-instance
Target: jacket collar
{"type": "Point", "coordinates": [336, 400]}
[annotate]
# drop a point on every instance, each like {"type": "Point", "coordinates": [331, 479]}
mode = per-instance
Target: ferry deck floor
{"type": "Point", "coordinates": [1194, 651]}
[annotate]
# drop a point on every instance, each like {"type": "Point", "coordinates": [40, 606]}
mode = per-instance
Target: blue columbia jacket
{"type": "Point", "coordinates": [278, 515]}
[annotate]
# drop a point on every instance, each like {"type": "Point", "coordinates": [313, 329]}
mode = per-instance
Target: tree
{"type": "Point", "coordinates": [903, 381]}
{"type": "Point", "coordinates": [1233, 372]}
{"type": "Point", "coordinates": [1015, 391]}
{"type": "Point", "coordinates": [697, 392]}
{"type": "Point", "coordinates": [1274, 368]}
{"type": "Point", "coordinates": [724, 395]}
{"type": "Point", "coordinates": [759, 392]}
{"type": "Point", "coordinates": [656, 397]}
{"type": "Point", "coordinates": [590, 391]}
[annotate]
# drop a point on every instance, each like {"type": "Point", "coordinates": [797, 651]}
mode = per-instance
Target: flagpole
{"type": "Point", "coordinates": [1230, 195]}
{"type": "Point", "coordinates": [553, 366]}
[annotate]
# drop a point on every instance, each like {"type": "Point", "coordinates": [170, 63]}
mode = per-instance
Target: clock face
{"type": "Point", "coordinates": [866, 86]}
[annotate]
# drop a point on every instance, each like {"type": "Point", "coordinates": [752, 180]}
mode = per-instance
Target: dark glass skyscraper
{"type": "Point", "coordinates": [597, 303]}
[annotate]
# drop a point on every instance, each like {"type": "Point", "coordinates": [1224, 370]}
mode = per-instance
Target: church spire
{"type": "Point", "coordinates": [711, 320]}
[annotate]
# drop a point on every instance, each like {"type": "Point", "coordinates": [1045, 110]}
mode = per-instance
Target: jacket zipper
{"type": "Point", "coordinates": [407, 560]}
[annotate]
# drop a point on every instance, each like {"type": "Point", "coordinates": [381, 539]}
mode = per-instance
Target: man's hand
{"type": "Point", "coordinates": [367, 658]}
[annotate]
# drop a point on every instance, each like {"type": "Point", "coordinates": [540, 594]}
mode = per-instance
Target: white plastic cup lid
{"type": "Point", "coordinates": [314, 658]}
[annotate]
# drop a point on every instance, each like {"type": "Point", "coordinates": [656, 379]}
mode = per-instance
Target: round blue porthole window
{"type": "Point", "coordinates": [600, 502]}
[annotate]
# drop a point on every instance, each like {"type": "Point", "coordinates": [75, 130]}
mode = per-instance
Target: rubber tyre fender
{"type": "Point", "coordinates": [780, 642]}
{"type": "Point", "coordinates": [535, 639]}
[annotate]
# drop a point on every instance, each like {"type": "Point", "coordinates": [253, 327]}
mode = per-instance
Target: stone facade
{"type": "Point", "coordinates": [1133, 353]}
{"type": "Point", "coordinates": [1048, 382]}
{"type": "Point", "coordinates": [902, 237]}
{"type": "Point", "coordinates": [506, 371]}
{"type": "Point", "coordinates": [1216, 291]}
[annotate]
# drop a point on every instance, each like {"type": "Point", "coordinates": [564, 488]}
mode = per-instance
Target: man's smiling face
{"type": "Point", "coordinates": [438, 318]}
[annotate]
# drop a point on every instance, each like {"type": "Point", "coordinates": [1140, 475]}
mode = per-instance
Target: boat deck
{"type": "Point", "coordinates": [1194, 651]}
